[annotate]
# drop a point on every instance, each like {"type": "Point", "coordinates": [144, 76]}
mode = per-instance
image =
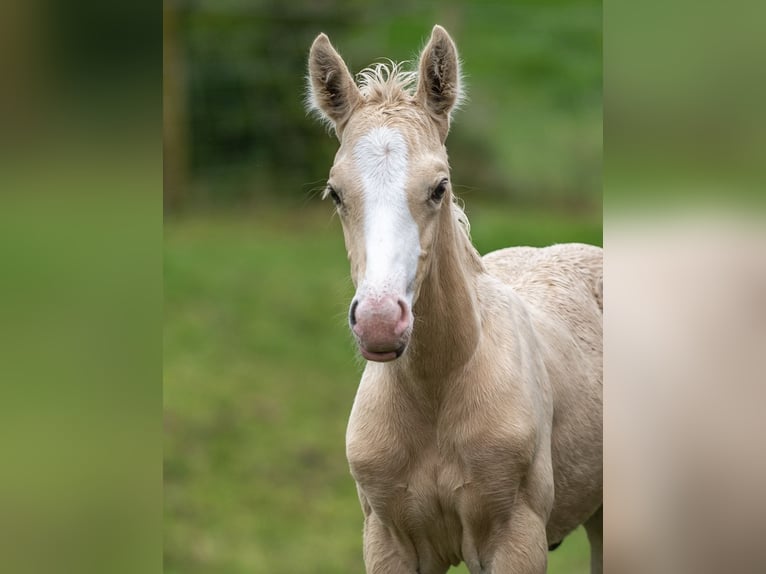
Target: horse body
{"type": "Point", "coordinates": [475, 434]}
{"type": "Point", "coordinates": [442, 459]}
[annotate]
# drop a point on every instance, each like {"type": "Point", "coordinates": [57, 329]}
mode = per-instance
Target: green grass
{"type": "Point", "coordinates": [260, 373]}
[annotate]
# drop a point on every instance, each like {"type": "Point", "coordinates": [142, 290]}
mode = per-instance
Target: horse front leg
{"type": "Point", "coordinates": [520, 545]}
{"type": "Point", "coordinates": [523, 548]}
{"type": "Point", "coordinates": [383, 554]}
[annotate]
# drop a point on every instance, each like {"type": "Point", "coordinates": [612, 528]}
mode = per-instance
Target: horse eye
{"type": "Point", "coordinates": [438, 192]}
{"type": "Point", "coordinates": [333, 194]}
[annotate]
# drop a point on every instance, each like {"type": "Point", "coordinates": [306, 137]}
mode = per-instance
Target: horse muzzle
{"type": "Point", "coordinates": [382, 326]}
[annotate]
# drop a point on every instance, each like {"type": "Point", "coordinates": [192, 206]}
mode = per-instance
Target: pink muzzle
{"type": "Point", "coordinates": [382, 325]}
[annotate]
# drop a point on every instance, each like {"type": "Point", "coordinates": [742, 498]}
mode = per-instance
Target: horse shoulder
{"type": "Point", "coordinates": [501, 425]}
{"type": "Point", "coordinates": [509, 368]}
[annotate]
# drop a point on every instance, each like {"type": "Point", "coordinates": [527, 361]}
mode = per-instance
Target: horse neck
{"type": "Point", "coordinates": [447, 324]}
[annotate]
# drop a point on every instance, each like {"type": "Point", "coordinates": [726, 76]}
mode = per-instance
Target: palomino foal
{"type": "Point", "coordinates": [475, 435]}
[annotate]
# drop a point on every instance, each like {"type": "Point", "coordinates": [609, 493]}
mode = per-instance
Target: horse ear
{"type": "Point", "coordinates": [439, 89]}
{"type": "Point", "coordinates": [332, 91]}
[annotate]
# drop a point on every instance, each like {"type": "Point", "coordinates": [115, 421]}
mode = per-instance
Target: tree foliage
{"type": "Point", "coordinates": [532, 126]}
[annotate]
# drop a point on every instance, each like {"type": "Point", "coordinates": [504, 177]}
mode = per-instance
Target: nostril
{"type": "Point", "coordinates": [352, 313]}
{"type": "Point", "coordinates": [404, 320]}
{"type": "Point", "coordinates": [403, 308]}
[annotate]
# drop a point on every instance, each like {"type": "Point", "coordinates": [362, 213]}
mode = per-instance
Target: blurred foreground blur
{"type": "Point", "coordinates": [685, 276]}
{"type": "Point", "coordinates": [685, 345]}
{"type": "Point", "coordinates": [81, 305]}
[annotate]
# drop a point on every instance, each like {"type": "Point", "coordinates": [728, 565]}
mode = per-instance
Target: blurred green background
{"type": "Point", "coordinates": [259, 369]}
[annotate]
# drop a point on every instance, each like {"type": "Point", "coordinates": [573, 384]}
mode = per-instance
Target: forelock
{"type": "Point", "coordinates": [387, 83]}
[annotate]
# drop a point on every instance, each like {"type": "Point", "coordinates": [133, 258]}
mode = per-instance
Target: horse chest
{"type": "Point", "coordinates": [432, 489]}
{"type": "Point", "coordinates": [421, 497]}
{"type": "Point", "coordinates": [441, 482]}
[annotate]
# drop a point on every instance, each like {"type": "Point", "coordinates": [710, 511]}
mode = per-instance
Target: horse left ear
{"type": "Point", "coordinates": [439, 89]}
{"type": "Point", "coordinates": [332, 90]}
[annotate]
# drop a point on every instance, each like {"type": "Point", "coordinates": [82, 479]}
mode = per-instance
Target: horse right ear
{"type": "Point", "coordinates": [439, 83]}
{"type": "Point", "coordinates": [332, 91]}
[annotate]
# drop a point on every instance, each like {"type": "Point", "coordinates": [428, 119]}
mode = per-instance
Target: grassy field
{"type": "Point", "coordinates": [260, 374]}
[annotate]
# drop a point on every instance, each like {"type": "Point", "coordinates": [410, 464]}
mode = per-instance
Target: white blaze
{"type": "Point", "coordinates": [392, 241]}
